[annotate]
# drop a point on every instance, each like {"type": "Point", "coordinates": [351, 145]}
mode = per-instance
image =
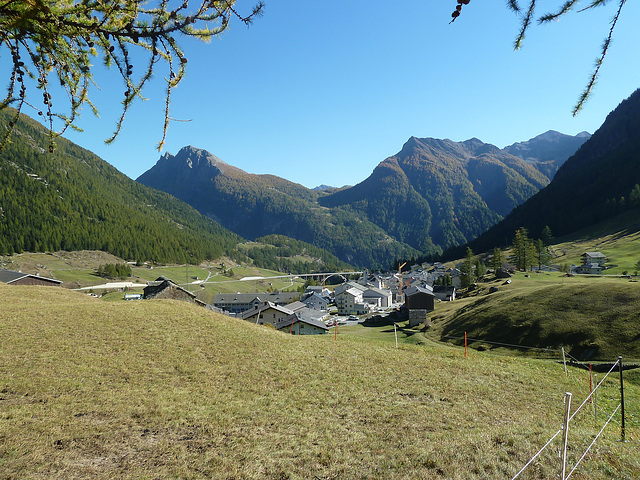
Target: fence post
{"type": "Point", "coordinates": [395, 331]}
{"type": "Point", "coordinates": [622, 433]}
{"type": "Point", "coordinates": [595, 399]}
{"type": "Point", "coordinates": [564, 360]}
{"type": "Point", "coordinates": [565, 432]}
{"type": "Point", "coordinates": [465, 344]}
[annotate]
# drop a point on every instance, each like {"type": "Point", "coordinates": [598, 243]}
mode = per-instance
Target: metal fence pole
{"type": "Point", "coordinates": [623, 430]}
{"type": "Point", "coordinates": [565, 433]}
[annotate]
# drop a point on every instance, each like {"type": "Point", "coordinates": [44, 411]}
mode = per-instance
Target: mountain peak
{"type": "Point", "coordinates": [198, 157]}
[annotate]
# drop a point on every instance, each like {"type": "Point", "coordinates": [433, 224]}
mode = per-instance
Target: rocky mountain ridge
{"type": "Point", "coordinates": [430, 196]}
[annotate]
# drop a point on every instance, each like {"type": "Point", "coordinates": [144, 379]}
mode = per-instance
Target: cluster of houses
{"type": "Point", "coordinates": [414, 292]}
{"type": "Point", "coordinates": [367, 295]}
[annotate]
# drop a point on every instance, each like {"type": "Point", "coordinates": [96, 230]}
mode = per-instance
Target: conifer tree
{"type": "Point", "coordinates": [542, 253]}
{"type": "Point", "coordinates": [547, 236]}
{"type": "Point", "coordinates": [522, 250]}
{"type": "Point", "coordinates": [57, 42]}
{"type": "Point", "coordinates": [497, 258]}
{"type": "Point", "coordinates": [467, 268]}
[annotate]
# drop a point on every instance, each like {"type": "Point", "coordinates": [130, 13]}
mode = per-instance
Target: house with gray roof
{"type": "Point", "coordinates": [593, 263]}
{"type": "Point", "coordinates": [11, 277]}
{"type": "Point", "coordinates": [419, 299]}
{"type": "Point", "coordinates": [316, 302]}
{"type": "Point", "coordinates": [300, 325]}
{"type": "Point", "coordinates": [445, 293]}
{"type": "Point", "coordinates": [267, 314]}
{"type": "Point", "coordinates": [241, 302]}
{"type": "Point", "coordinates": [378, 297]}
{"type": "Point", "coordinates": [165, 288]}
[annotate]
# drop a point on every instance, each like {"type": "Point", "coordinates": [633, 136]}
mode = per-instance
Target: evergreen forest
{"type": "Point", "coordinates": [72, 200]}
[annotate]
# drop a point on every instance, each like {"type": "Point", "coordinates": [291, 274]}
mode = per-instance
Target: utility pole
{"type": "Point", "coordinates": [400, 281]}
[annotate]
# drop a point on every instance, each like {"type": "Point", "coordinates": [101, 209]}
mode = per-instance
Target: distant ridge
{"type": "Point", "coordinates": [593, 185]}
{"type": "Point", "coordinates": [432, 195]}
{"type": "Point", "coordinates": [549, 150]}
{"type": "Point", "coordinates": [256, 206]}
{"type": "Point", "coordinates": [437, 193]}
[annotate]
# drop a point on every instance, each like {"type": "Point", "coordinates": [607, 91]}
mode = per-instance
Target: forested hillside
{"type": "Point", "coordinates": [440, 192]}
{"type": "Point", "coordinates": [600, 181]}
{"type": "Point", "coordinates": [73, 200]}
{"type": "Point", "coordinates": [432, 195]}
{"type": "Point", "coordinates": [255, 206]}
{"type": "Point", "coordinates": [285, 254]}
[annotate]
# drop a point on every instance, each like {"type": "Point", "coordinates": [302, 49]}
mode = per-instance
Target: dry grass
{"type": "Point", "coordinates": [165, 390]}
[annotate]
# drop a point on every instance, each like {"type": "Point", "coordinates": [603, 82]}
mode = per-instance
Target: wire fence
{"type": "Point", "coordinates": [570, 418]}
{"type": "Point", "coordinates": [547, 353]}
{"type": "Point", "coordinates": [546, 350]}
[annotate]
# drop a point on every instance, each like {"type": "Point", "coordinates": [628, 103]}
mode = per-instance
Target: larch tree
{"type": "Point", "coordinates": [528, 16]}
{"type": "Point", "coordinates": [52, 44]}
{"type": "Point", "coordinates": [522, 250]}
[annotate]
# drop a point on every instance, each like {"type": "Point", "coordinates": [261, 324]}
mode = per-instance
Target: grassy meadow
{"type": "Point", "coordinates": [593, 318]}
{"type": "Point", "coordinates": [617, 238]}
{"type": "Point", "coordinates": [163, 389]}
{"type": "Point", "coordinates": [78, 270]}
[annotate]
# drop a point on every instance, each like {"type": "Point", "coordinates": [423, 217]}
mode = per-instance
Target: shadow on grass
{"type": "Point", "coordinates": [380, 321]}
{"type": "Point", "coordinates": [389, 321]}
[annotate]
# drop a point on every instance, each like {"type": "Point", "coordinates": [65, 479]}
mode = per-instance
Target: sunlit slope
{"type": "Point", "coordinates": [160, 389]}
{"type": "Point", "coordinates": [592, 318]}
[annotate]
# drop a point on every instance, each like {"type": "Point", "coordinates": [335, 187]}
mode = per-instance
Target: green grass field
{"type": "Point", "coordinates": [77, 270]}
{"type": "Point", "coordinates": [594, 318]}
{"type": "Point", "coordinates": [163, 389]}
{"type": "Point", "coordinates": [622, 247]}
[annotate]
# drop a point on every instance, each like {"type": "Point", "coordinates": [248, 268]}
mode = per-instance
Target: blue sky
{"type": "Point", "coordinates": [320, 92]}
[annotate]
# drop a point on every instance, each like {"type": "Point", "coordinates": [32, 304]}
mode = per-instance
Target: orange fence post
{"type": "Point", "coordinates": [465, 344]}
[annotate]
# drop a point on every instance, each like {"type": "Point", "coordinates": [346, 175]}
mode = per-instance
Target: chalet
{"type": "Point", "coordinates": [592, 263]}
{"type": "Point", "coordinates": [419, 300]}
{"type": "Point", "coordinates": [267, 314]}
{"type": "Point", "coordinates": [242, 302]}
{"type": "Point", "coordinates": [299, 325]}
{"type": "Point", "coordinates": [593, 258]}
{"type": "Point", "coordinates": [164, 288]}
{"type": "Point", "coordinates": [18, 278]}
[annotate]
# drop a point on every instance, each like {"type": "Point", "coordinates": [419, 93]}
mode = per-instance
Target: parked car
{"type": "Point", "coordinates": [353, 318]}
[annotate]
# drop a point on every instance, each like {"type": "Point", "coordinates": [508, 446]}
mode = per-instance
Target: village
{"type": "Point", "coordinates": [410, 295]}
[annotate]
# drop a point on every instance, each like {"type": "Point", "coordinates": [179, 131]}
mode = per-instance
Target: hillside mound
{"type": "Point", "coordinates": [160, 389]}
